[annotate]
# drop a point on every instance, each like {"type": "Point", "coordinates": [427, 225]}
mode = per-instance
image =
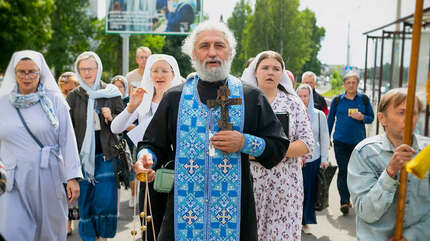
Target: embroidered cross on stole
{"type": "Point", "coordinates": [207, 188]}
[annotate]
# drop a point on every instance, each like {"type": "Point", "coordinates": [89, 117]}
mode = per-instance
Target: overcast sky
{"type": "Point", "coordinates": [334, 15]}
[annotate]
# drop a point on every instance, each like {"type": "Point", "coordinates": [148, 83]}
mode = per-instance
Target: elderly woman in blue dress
{"type": "Point", "coordinates": [39, 152]}
{"type": "Point", "coordinates": [93, 106]}
{"type": "Point", "coordinates": [319, 157]}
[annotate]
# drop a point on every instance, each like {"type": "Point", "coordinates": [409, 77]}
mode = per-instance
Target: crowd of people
{"type": "Point", "coordinates": [245, 151]}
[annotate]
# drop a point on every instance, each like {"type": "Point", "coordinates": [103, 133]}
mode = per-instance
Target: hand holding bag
{"type": "Point", "coordinates": [324, 177]}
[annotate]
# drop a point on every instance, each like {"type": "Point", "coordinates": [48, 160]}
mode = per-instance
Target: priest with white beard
{"type": "Point", "coordinates": [212, 196]}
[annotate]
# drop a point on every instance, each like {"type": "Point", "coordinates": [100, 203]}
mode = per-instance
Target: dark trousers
{"type": "Point", "coordinates": [343, 152]}
{"type": "Point", "coordinates": [310, 171]}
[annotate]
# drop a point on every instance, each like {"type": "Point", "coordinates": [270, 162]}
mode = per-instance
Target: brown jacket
{"type": "Point", "coordinates": [78, 100]}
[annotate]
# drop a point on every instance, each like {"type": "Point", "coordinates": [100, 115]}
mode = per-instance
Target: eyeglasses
{"type": "Point", "coordinates": [31, 74]}
{"type": "Point", "coordinates": [92, 70]}
{"type": "Point", "coordinates": [142, 57]}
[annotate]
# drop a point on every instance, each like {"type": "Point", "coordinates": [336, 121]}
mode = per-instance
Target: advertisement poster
{"type": "Point", "coordinates": [153, 16]}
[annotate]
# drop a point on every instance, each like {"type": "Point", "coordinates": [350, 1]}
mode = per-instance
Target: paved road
{"type": "Point", "coordinates": [332, 225]}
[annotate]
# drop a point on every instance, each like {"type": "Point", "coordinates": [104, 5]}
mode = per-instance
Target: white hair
{"type": "Point", "coordinates": [309, 73]}
{"type": "Point", "coordinates": [188, 45]}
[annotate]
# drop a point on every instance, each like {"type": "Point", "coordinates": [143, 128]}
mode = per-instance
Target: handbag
{"type": "Point", "coordinates": [74, 213]}
{"type": "Point", "coordinates": [122, 171]}
{"type": "Point", "coordinates": [164, 177]}
{"type": "Point", "coordinates": [324, 178]}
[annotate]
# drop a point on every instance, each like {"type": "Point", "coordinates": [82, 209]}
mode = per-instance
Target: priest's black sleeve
{"type": "Point", "coordinates": [160, 136]}
{"type": "Point", "coordinates": [261, 121]}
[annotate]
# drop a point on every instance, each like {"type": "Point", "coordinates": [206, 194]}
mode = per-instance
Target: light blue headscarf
{"type": "Point", "coordinates": [94, 92]}
{"type": "Point", "coordinates": [46, 82]}
{"type": "Point", "coordinates": [24, 101]}
{"type": "Point", "coordinates": [310, 106]}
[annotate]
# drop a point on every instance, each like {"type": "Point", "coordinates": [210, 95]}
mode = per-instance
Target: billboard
{"type": "Point", "coordinates": [153, 16]}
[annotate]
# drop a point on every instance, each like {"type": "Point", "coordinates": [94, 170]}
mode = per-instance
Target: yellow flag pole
{"type": "Point", "coordinates": [407, 137]}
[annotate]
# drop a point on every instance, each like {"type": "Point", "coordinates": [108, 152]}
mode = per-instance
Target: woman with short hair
{"type": "Point", "coordinates": [67, 82]}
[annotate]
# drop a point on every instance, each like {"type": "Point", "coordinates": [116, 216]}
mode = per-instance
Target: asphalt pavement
{"type": "Point", "coordinates": [331, 224]}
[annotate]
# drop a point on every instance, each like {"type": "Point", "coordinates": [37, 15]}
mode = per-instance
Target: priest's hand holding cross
{"type": "Point", "coordinates": [228, 141]}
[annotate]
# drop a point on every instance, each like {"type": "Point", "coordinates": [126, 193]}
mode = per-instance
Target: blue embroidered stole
{"type": "Point", "coordinates": [207, 189]}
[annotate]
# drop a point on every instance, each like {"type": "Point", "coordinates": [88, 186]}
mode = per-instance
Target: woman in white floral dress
{"type": "Point", "coordinates": [278, 191]}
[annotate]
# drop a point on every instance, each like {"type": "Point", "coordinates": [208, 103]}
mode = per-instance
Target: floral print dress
{"type": "Point", "coordinates": [278, 192]}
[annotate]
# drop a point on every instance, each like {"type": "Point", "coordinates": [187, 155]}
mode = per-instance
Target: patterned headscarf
{"type": "Point", "coordinates": [46, 83]}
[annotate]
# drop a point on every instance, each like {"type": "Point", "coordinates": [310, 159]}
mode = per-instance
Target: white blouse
{"type": "Point", "coordinates": [125, 119]}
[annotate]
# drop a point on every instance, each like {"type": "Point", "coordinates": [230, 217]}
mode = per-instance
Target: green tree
{"type": "Point", "coordinates": [237, 23]}
{"type": "Point", "coordinates": [278, 25]}
{"type": "Point", "coordinates": [173, 47]}
{"type": "Point", "coordinates": [72, 31]}
{"type": "Point", "coordinates": [109, 48]}
{"type": "Point", "coordinates": [336, 80]}
{"type": "Point", "coordinates": [318, 33]}
{"type": "Point", "coordinates": [24, 24]}
{"type": "Point", "coordinates": [154, 42]}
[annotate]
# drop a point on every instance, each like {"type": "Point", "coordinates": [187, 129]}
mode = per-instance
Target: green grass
{"type": "Point", "coordinates": [333, 92]}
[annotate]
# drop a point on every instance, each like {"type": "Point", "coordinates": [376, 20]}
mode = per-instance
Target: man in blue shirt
{"type": "Point", "coordinates": [373, 175]}
{"type": "Point", "coordinates": [179, 15]}
{"type": "Point", "coordinates": [351, 110]}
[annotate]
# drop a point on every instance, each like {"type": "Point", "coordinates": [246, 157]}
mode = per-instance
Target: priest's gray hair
{"type": "Point", "coordinates": [188, 45]}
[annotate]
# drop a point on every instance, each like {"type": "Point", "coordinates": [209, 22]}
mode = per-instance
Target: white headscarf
{"type": "Point", "coordinates": [46, 83]}
{"type": "Point", "coordinates": [147, 83]}
{"type": "Point", "coordinates": [310, 106]}
{"type": "Point", "coordinates": [248, 76]}
{"type": "Point", "coordinates": [46, 78]}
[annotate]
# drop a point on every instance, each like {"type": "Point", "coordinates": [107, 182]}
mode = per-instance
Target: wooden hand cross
{"type": "Point", "coordinates": [223, 101]}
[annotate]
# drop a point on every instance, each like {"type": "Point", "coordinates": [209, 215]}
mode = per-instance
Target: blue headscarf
{"type": "Point", "coordinates": [94, 92]}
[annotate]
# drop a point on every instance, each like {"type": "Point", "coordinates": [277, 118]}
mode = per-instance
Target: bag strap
{"type": "Point", "coordinates": [28, 129]}
{"type": "Point", "coordinates": [166, 164]}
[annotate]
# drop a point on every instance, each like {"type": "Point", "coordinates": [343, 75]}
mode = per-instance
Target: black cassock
{"type": "Point", "coordinates": [260, 121]}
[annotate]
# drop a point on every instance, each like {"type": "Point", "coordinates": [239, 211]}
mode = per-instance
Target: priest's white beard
{"type": "Point", "coordinates": [212, 74]}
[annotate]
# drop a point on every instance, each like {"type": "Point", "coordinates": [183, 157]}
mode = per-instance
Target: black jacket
{"type": "Point", "coordinates": [78, 100]}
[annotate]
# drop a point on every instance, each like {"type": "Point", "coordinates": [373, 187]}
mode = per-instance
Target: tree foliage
{"type": "Point", "coordinates": [110, 49]}
{"type": "Point", "coordinates": [172, 47]}
{"type": "Point", "coordinates": [24, 24]}
{"type": "Point", "coordinates": [336, 80]}
{"type": "Point", "coordinates": [72, 30]}
{"type": "Point", "coordinates": [318, 33]}
{"type": "Point", "coordinates": [277, 25]}
{"type": "Point", "coordinates": [237, 23]}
